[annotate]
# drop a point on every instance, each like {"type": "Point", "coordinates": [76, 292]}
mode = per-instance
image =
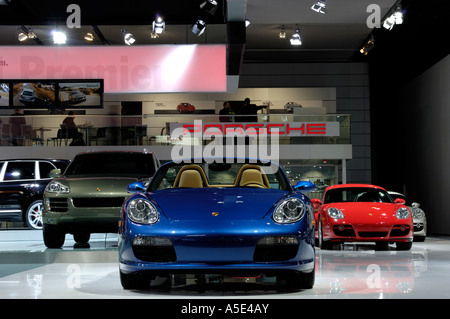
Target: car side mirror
{"type": "Point", "coordinates": [304, 185]}
{"type": "Point", "coordinates": [136, 187]}
{"type": "Point", "coordinates": [316, 201]}
{"type": "Point", "coordinates": [400, 201]}
{"type": "Point", "coordinates": [55, 173]}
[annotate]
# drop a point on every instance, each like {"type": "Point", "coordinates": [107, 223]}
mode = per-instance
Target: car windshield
{"type": "Point", "coordinates": [27, 93]}
{"type": "Point", "coordinates": [219, 175]}
{"type": "Point", "coordinates": [139, 165]}
{"type": "Point", "coordinates": [357, 194]}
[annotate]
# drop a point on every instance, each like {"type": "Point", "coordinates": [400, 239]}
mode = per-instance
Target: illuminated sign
{"type": "Point", "coordinates": [125, 69]}
{"type": "Point", "coordinates": [251, 129]}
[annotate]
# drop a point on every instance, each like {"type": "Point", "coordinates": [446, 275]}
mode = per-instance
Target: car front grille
{"type": "Point", "coordinates": [58, 205]}
{"type": "Point", "coordinates": [367, 234]}
{"type": "Point", "coordinates": [94, 202]}
{"type": "Point", "coordinates": [400, 230]}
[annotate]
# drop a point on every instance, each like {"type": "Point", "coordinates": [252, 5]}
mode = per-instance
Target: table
{"type": "Point", "coordinates": [41, 130]}
{"type": "Point", "coordinates": [86, 128]}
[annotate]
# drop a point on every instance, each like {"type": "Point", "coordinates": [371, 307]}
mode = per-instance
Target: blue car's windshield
{"type": "Point", "coordinates": [198, 175]}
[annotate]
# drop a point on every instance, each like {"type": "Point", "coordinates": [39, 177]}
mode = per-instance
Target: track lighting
{"type": "Point", "coordinates": [282, 34]}
{"type": "Point", "coordinates": [128, 37]}
{"type": "Point", "coordinates": [25, 33]}
{"type": "Point", "coordinates": [296, 39]}
{"type": "Point", "coordinates": [199, 27]}
{"type": "Point", "coordinates": [209, 6]}
{"type": "Point", "coordinates": [59, 37]}
{"type": "Point", "coordinates": [393, 19]}
{"type": "Point", "coordinates": [22, 37]}
{"type": "Point", "coordinates": [158, 25]}
{"type": "Point", "coordinates": [320, 6]}
{"type": "Point", "coordinates": [89, 37]}
{"type": "Point", "coordinates": [368, 46]}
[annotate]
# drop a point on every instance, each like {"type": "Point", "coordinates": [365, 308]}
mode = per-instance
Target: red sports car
{"type": "Point", "coordinates": [185, 108]}
{"type": "Point", "coordinates": [362, 213]}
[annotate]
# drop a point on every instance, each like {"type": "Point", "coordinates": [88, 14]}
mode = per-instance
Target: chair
{"type": "Point", "coordinates": [251, 176]}
{"type": "Point", "coordinates": [99, 136]}
{"type": "Point", "coordinates": [191, 176]}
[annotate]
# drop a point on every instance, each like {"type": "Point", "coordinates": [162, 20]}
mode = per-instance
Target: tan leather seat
{"type": "Point", "coordinates": [251, 175]}
{"type": "Point", "coordinates": [190, 178]}
{"type": "Point", "coordinates": [191, 175]}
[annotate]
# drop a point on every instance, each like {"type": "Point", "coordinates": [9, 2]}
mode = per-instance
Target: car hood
{"type": "Point", "coordinates": [99, 186]}
{"type": "Point", "coordinates": [360, 212]}
{"type": "Point", "coordinates": [220, 203]}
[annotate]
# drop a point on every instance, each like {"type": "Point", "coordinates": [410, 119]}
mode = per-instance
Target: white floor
{"type": "Point", "coordinates": [28, 270]}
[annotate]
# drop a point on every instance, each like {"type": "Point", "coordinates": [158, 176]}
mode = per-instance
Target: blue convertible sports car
{"type": "Point", "coordinates": [236, 219]}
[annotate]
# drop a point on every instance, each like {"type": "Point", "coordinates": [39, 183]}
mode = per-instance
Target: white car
{"type": "Point", "coordinates": [419, 217]}
{"type": "Point", "coordinates": [27, 95]}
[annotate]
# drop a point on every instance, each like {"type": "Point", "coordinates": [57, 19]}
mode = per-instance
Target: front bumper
{"type": "Point", "coordinates": [61, 213]}
{"type": "Point", "coordinates": [223, 248]}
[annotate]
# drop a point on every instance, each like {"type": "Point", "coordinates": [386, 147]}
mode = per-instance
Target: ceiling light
{"type": "Point", "coordinates": [158, 25]}
{"type": "Point", "coordinates": [296, 39]}
{"type": "Point", "coordinates": [209, 6]}
{"type": "Point", "coordinates": [128, 37]}
{"type": "Point", "coordinates": [247, 22]}
{"type": "Point", "coordinates": [154, 35]}
{"type": "Point", "coordinates": [282, 34]}
{"type": "Point", "coordinates": [398, 16]}
{"type": "Point", "coordinates": [89, 37]}
{"type": "Point", "coordinates": [320, 6]}
{"type": "Point", "coordinates": [59, 37]}
{"type": "Point", "coordinates": [31, 34]}
{"type": "Point", "coordinates": [389, 22]}
{"type": "Point", "coordinates": [368, 46]}
{"type": "Point", "coordinates": [199, 27]}
{"type": "Point", "coordinates": [22, 37]}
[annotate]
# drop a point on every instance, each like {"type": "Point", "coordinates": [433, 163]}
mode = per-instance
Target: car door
{"type": "Point", "coordinates": [17, 180]}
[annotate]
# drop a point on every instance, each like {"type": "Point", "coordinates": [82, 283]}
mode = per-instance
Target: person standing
{"type": "Point", "coordinates": [17, 120]}
{"type": "Point", "coordinates": [226, 112]}
{"type": "Point", "coordinates": [251, 109]}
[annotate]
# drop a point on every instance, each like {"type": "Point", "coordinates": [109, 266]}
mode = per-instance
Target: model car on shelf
{"type": "Point", "coordinates": [87, 197]}
{"type": "Point", "coordinates": [185, 108]}
{"type": "Point", "coordinates": [22, 184]}
{"type": "Point", "coordinates": [226, 218]}
{"type": "Point", "coordinates": [362, 213]}
{"type": "Point", "coordinates": [419, 217]}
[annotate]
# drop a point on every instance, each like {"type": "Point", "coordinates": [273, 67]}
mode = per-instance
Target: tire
{"type": "Point", "coordinates": [82, 238]}
{"type": "Point", "coordinates": [133, 281]}
{"type": "Point", "coordinates": [403, 246]}
{"type": "Point", "coordinates": [33, 215]}
{"type": "Point", "coordinates": [298, 281]}
{"type": "Point", "coordinates": [419, 239]}
{"type": "Point", "coordinates": [53, 238]}
{"type": "Point", "coordinates": [321, 243]}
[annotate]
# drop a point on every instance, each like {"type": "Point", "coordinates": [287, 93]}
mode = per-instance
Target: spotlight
{"type": "Point", "coordinates": [368, 46]}
{"type": "Point", "coordinates": [89, 37]}
{"type": "Point", "coordinates": [389, 23]}
{"type": "Point", "coordinates": [398, 16]}
{"type": "Point", "coordinates": [199, 27]}
{"type": "Point", "coordinates": [22, 37]}
{"type": "Point", "coordinates": [320, 6]}
{"type": "Point", "coordinates": [31, 34]}
{"type": "Point", "coordinates": [282, 34]}
{"type": "Point", "coordinates": [158, 25]}
{"type": "Point", "coordinates": [59, 37]}
{"type": "Point", "coordinates": [247, 22]}
{"type": "Point", "coordinates": [209, 6]}
{"type": "Point", "coordinates": [296, 39]}
{"type": "Point", "coordinates": [128, 37]}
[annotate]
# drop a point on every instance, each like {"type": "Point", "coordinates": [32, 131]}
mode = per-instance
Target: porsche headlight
{"type": "Point", "coordinates": [289, 211]}
{"type": "Point", "coordinates": [402, 213]}
{"type": "Point", "coordinates": [57, 187]}
{"type": "Point", "coordinates": [418, 213]}
{"type": "Point", "coordinates": [335, 213]}
{"type": "Point", "coordinates": [141, 211]}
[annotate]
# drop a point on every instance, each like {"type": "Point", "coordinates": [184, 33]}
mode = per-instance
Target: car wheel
{"type": "Point", "coordinates": [322, 244]}
{"type": "Point", "coordinates": [81, 238]}
{"type": "Point", "coordinates": [419, 239]}
{"type": "Point", "coordinates": [403, 246]}
{"type": "Point", "coordinates": [33, 215]}
{"type": "Point", "coordinates": [133, 281]}
{"type": "Point", "coordinates": [53, 238]}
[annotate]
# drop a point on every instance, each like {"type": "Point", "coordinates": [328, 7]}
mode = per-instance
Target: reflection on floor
{"type": "Point", "coordinates": [29, 270]}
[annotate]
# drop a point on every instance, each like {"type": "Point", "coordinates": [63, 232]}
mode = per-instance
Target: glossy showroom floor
{"type": "Point", "coordinates": [28, 270]}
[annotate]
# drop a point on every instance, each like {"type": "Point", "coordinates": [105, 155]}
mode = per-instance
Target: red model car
{"type": "Point", "coordinates": [364, 213]}
{"type": "Point", "coordinates": [185, 108]}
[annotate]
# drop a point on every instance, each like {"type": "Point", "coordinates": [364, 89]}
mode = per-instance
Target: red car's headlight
{"type": "Point", "coordinates": [333, 212]}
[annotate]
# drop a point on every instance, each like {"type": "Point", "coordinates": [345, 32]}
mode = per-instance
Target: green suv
{"type": "Point", "coordinates": [87, 197]}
